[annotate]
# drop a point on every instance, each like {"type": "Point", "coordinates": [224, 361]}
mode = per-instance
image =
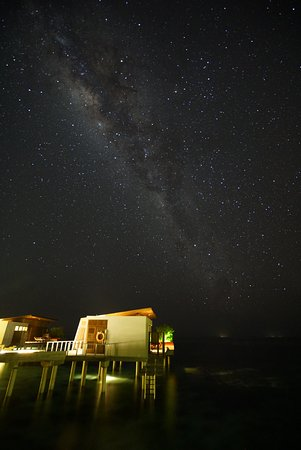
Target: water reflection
{"type": "Point", "coordinates": [184, 412]}
{"type": "Point", "coordinates": [171, 402]}
{"type": "Point", "coordinates": [197, 406]}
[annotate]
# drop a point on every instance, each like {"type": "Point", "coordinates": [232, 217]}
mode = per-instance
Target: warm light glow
{"type": "Point", "coordinates": [113, 379]}
{"type": "Point", "coordinates": [20, 328]}
{"type": "Point", "coordinates": [2, 367]}
{"type": "Point", "coordinates": [19, 351]}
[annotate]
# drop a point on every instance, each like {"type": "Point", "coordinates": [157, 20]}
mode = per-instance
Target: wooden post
{"type": "Point", "coordinates": [137, 369]}
{"type": "Point", "coordinates": [42, 386]}
{"type": "Point", "coordinates": [52, 378]}
{"type": "Point", "coordinates": [113, 366]}
{"type": "Point", "coordinates": [168, 363]}
{"type": "Point", "coordinates": [143, 382]}
{"type": "Point", "coordinates": [84, 373]}
{"type": "Point", "coordinates": [11, 381]}
{"type": "Point", "coordinates": [143, 372]}
{"type": "Point", "coordinates": [120, 366]}
{"type": "Point", "coordinates": [72, 372]}
{"type": "Point", "coordinates": [104, 379]}
{"type": "Point", "coordinates": [100, 371]}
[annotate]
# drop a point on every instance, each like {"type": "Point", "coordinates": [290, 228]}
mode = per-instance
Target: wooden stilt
{"type": "Point", "coordinates": [143, 382]}
{"type": "Point", "coordinates": [11, 381]}
{"type": "Point", "coordinates": [72, 372]}
{"type": "Point", "coordinates": [99, 375]}
{"type": "Point", "coordinates": [104, 379]}
{"type": "Point", "coordinates": [168, 363]}
{"type": "Point", "coordinates": [113, 366]}
{"type": "Point", "coordinates": [43, 379]}
{"type": "Point", "coordinates": [84, 373]}
{"type": "Point", "coordinates": [137, 369]}
{"type": "Point", "coordinates": [52, 378]}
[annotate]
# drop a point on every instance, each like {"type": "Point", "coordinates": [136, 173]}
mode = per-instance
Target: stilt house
{"type": "Point", "coordinates": [15, 331]}
{"type": "Point", "coordinates": [121, 334]}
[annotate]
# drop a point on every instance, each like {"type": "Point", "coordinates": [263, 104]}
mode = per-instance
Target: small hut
{"type": "Point", "coordinates": [124, 334]}
{"type": "Point", "coordinates": [15, 331]}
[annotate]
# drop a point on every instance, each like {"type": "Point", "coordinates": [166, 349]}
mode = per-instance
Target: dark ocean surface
{"type": "Point", "coordinates": [218, 394]}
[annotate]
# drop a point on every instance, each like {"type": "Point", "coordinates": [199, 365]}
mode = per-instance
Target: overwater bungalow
{"type": "Point", "coordinates": [124, 334]}
{"type": "Point", "coordinates": [105, 338]}
{"type": "Point", "coordinates": [16, 331]}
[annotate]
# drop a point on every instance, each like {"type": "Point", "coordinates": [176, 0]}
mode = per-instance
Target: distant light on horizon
{"type": "Point", "coordinates": [223, 335]}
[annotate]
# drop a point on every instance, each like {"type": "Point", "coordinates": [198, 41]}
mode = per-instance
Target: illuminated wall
{"type": "Point", "coordinates": [3, 326]}
{"type": "Point", "coordinates": [128, 336]}
{"type": "Point", "coordinates": [125, 336]}
{"type": "Point", "coordinates": [12, 333]}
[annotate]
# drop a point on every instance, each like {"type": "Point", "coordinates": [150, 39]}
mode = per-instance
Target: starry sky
{"type": "Point", "coordinates": [150, 156]}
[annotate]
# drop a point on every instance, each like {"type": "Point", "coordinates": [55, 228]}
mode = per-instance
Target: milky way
{"type": "Point", "coordinates": [100, 81]}
{"type": "Point", "coordinates": [152, 156]}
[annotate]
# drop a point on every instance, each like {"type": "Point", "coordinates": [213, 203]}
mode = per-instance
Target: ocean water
{"type": "Point", "coordinates": [218, 394]}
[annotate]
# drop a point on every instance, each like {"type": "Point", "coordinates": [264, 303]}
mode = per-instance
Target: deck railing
{"type": "Point", "coordinates": [75, 347]}
{"type": "Point", "coordinates": [82, 348]}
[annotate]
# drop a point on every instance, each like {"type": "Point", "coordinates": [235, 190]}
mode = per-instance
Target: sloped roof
{"type": "Point", "coordinates": [28, 317]}
{"type": "Point", "coordinates": [148, 312]}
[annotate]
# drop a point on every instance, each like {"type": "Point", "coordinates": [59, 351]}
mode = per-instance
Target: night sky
{"type": "Point", "coordinates": [150, 156]}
